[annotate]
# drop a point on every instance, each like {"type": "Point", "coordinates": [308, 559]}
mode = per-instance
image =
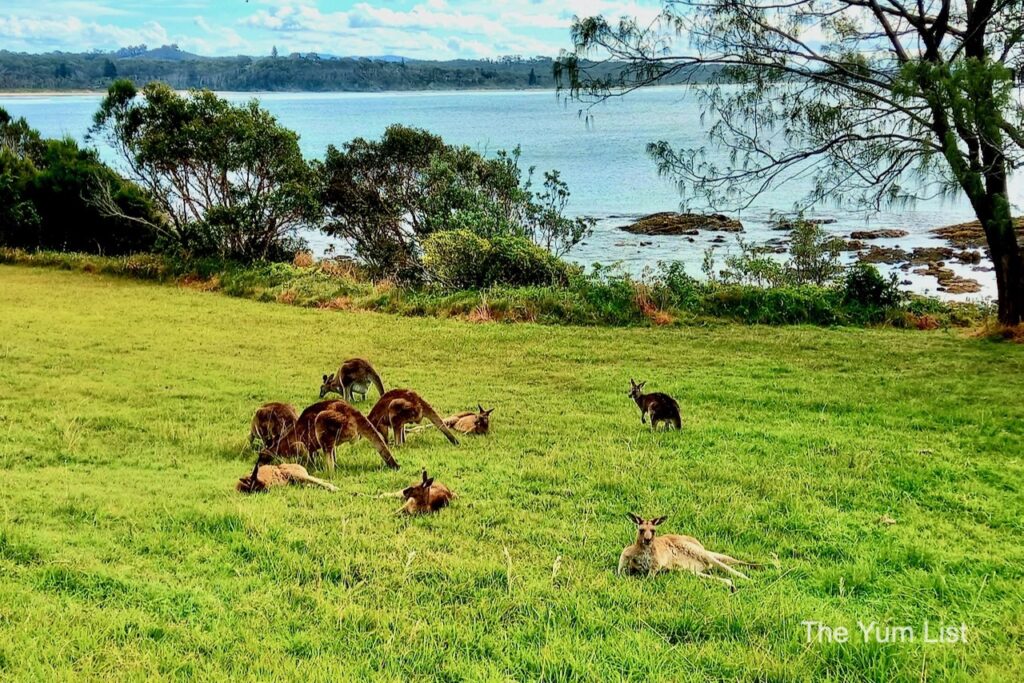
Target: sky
{"type": "Point", "coordinates": [426, 29]}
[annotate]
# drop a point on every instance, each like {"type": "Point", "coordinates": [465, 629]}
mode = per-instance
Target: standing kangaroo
{"type": "Point", "coordinates": [397, 408]}
{"type": "Point", "coordinates": [471, 423]}
{"type": "Point", "coordinates": [324, 425]}
{"type": "Point", "coordinates": [651, 554]}
{"type": "Point", "coordinates": [353, 377]}
{"type": "Point", "coordinates": [270, 422]}
{"type": "Point", "coordinates": [425, 496]}
{"type": "Point", "coordinates": [266, 475]}
{"type": "Point", "coordinates": [661, 407]}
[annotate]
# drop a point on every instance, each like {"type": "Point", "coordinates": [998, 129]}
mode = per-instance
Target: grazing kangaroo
{"type": "Point", "coordinates": [270, 422]}
{"type": "Point", "coordinates": [471, 423]}
{"type": "Point", "coordinates": [266, 475]}
{"type": "Point", "coordinates": [324, 425]}
{"type": "Point", "coordinates": [425, 496]}
{"type": "Point", "coordinates": [661, 407]}
{"type": "Point", "coordinates": [651, 554]}
{"type": "Point", "coordinates": [397, 408]}
{"type": "Point", "coordinates": [353, 377]}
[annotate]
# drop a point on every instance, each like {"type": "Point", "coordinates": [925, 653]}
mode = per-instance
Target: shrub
{"type": "Point", "coordinates": [460, 259]}
{"type": "Point", "coordinates": [865, 286]}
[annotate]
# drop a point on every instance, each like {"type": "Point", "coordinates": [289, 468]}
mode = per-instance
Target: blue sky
{"type": "Point", "coordinates": [439, 29]}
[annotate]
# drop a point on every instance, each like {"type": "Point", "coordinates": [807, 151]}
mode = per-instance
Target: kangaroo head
{"type": "Point", "coordinates": [327, 385]}
{"type": "Point", "coordinates": [483, 417]}
{"type": "Point", "coordinates": [635, 389]}
{"type": "Point", "coordinates": [420, 491]}
{"type": "Point", "coordinates": [252, 483]}
{"type": "Point", "coordinates": [645, 528]}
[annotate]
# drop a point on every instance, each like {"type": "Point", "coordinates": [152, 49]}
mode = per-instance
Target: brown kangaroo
{"type": "Point", "coordinates": [661, 407]}
{"type": "Point", "coordinates": [651, 554]}
{"type": "Point", "coordinates": [324, 425]}
{"type": "Point", "coordinates": [266, 475]}
{"type": "Point", "coordinates": [353, 377]}
{"type": "Point", "coordinates": [425, 496]}
{"type": "Point", "coordinates": [270, 422]}
{"type": "Point", "coordinates": [399, 407]}
{"type": "Point", "coordinates": [469, 422]}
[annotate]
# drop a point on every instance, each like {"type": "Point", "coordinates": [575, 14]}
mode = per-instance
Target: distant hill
{"type": "Point", "coordinates": [295, 72]}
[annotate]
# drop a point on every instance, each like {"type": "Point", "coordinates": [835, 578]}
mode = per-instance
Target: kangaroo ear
{"type": "Point", "coordinates": [425, 478]}
{"type": "Point", "coordinates": [641, 385]}
{"type": "Point", "coordinates": [631, 382]}
{"type": "Point", "coordinates": [633, 518]}
{"type": "Point", "coordinates": [480, 408]}
{"type": "Point", "coordinates": [658, 520]}
{"type": "Point", "coordinates": [488, 412]}
{"type": "Point", "coordinates": [428, 482]}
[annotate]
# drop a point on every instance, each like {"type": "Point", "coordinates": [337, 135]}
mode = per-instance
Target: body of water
{"type": "Point", "coordinates": [601, 157]}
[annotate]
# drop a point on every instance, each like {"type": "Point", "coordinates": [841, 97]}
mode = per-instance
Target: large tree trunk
{"type": "Point", "coordinates": [993, 210]}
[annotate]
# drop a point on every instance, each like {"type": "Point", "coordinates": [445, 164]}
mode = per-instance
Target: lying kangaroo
{"type": "Point", "coordinates": [270, 422]}
{"type": "Point", "coordinates": [265, 475]}
{"type": "Point", "coordinates": [471, 423]}
{"type": "Point", "coordinates": [425, 496]}
{"type": "Point", "coordinates": [397, 408]}
{"type": "Point", "coordinates": [324, 425]}
{"type": "Point", "coordinates": [651, 554]}
{"type": "Point", "coordinates": [353, 377]}
{"type": "Point", "coordinates": [661, 407]}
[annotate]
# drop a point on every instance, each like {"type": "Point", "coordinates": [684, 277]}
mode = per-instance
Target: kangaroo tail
{"type": "Point", "coordinates": [375, 378]}
{"type": "Point", "coordinates": [713, 558]}
{"type": "Point", "coordinates": [438, 422]}
{"type": "Point", "coordinates": [732, 561]}
{"type": "Point", "coordinates": [370, 433]}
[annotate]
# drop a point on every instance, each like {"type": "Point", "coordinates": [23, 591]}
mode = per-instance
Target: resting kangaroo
{"type": "Point", "coordinates": [399, 407]}
{"type": "Point", "coordinates": [324, 425]}
{"type": "Point", "coordinates": [270, 422]}
{"type": "Point", "coordinates": [661, 407]}
{"type": "Point", "coordinates": [265, 475]}
{"type": "Point", "coordinates": [425, 496]}
{"type": "Point", "coordinates": [353, 377]}
{"type": "Point", "coordinates": [471, 423]}
{"type": "Point", "coordinates": [651, 554]}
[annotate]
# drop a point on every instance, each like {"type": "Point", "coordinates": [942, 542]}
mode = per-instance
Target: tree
{"type": "Point", "coordinates": [109, 69]}
{"type": "Point", "coordinates": [532, 79]}
{"type": "Point", "coordinates": [385, 197]}
{"type": "Point", "coordinates": [884, 102]}
{"type": "Point", "coordinates": [230, 179]}
{"type": "Point", "coordinates": [273, 52]}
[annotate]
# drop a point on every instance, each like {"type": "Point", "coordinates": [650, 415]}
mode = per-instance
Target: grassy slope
{"type": "Point", "coordinates": [125, 552]}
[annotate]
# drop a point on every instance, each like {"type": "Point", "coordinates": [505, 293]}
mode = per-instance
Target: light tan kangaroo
{"type": "Point", "coordinates": [651, 554]}
{"type": "Point", "coordinates": [324, 425]}
{"type": "Point", "coordinates": [270, 422]}
{"type": "Point", "coordinates": [266, 475]}
{"type": "Point", "coordinates": [425, 496]}
{"type": "Point", "coordinates": [353, 377]}
{"type": "Point", "coordinates": [399, 407]}
{"type": "Point", "coordinates": [471, 423]}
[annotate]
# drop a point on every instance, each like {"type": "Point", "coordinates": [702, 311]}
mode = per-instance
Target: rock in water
{"type": "Point", "coordinates": [877, 234]}
{"type": "Point", "coordinates": [672, 223]}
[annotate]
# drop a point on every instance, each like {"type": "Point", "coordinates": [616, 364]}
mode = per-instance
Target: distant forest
{"type": "Point", "coordinates": [295, 72]}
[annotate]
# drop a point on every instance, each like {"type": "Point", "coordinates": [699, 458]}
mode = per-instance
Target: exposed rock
{"type": "Point", "coordinates": [853, 245]}
{"type": "Point", "coordinates": [948, 280]}
{"type": "Point", "coordinates": [923, 255]}
{"type": "Point", "coordinates": [972, 256]}
{"type": "Point", "coordinates": [971, 235]}
{"type": "Point", "coordinates": [877, 234]}
{"type": "Point", "coordinates": [883, 255]}
{"type": "Point", "coordinates": [790, 223]}
{"type": "Point", "coordinates": [672, 223]}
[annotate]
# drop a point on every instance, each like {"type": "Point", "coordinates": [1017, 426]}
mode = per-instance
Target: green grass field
{"type": "Point", "coordinates": [126, 554]}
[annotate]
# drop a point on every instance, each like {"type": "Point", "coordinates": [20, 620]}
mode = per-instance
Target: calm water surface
{"type": "Point", "coordinates": [603, 159]}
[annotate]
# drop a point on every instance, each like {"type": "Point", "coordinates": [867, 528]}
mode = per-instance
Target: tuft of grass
{"type": "Point", "coordinates": [125, 551]}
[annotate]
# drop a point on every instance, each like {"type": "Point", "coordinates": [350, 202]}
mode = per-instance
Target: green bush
{"type": "Point", "coordinates": [460, 259]}
{"type": "Point", "coordinates": [865, 286]}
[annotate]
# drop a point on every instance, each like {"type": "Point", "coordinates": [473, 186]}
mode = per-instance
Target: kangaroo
{"type": "Point", "coordinates": [471, 423]}
{"type": "Point", "coordinates": [353, 377]}
{"type": "Point", "coordinates": [270, 422]}
{"type": "Point", "coordinates": [661, 407]}
{"type": "Point", "coordinates": [425, 496]}
{"type": "Point", "coordinates": [324, 425]}
{"type": "Point", "coordinates": [651, 554]}
{"type": "Point", "coordinates": [266, 475]}
{"type": "Point", "coordinates": [399, 407]}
